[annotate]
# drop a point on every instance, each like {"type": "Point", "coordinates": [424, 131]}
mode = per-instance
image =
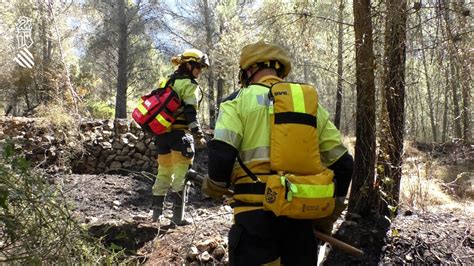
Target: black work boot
{"type": "Point", "coordinates": [179, 206]}
{"type": "Point", "coordinates": [157, 207]}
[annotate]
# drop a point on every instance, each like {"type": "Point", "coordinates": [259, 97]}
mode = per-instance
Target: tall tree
{"type": "Point", "coordinates": [434, 128]}
{"type": "Point", "coordinates": [465, 62]}
{"type": "Point", "coordinates": [394, 92]}
{"type": "Point", "coordinates": [340, 64]}
{"type": "Point", "coordinates": [121, 50]}
{"type": "Point", "coordinates": [454, 68]}
{"type": "Point", "coordinates": [122, 65]}
{"type": "Point", "coordinates": [209, 29]}
{"type": "Point", "coordinates": [364, 165]}
{"type": "Point", "coordinates": [47, 37]}
{"type": "Point", "coordinates": [214, 27]}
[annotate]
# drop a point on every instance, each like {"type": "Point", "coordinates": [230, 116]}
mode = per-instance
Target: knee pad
{"type": "Point", "coordinates": [165, 160]}
{"type": "Point", "coordinates": [179, 171]}
{"type": "Point", "coordinates": [179, 158]}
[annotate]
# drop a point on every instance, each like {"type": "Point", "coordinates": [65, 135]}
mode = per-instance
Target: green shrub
{"type": "Point", "coordinates": [100, 109]}
{"type": "Point", "coordinates": [36, 224]}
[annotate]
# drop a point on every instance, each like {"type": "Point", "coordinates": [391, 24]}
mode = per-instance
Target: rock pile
{"type": "Point", "coordinates": [91, 147]}
{"type": "Point", "coordinates": [115, 146]}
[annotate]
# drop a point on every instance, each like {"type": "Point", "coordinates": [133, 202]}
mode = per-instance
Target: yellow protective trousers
{"type": "Point", "coordinates": [172, 168]}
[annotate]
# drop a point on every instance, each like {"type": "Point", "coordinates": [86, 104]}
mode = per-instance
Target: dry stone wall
{"type": "Point", "coordinates": [89, 147]}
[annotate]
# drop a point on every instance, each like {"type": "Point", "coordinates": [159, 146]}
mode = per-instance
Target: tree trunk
{"type": "Point", "coordinates": [66, 75]}
{"type": "Point", "coordinates": [220, 95]}
{"type": "Point", "coordinates": [45, 84]}
{"type": "Point", "coordinates": [414, 125]}
{"type": "Point", "coordinates": [465, 71]}
{"type": "Point", "coordinates": [446, 106]}
{"type": "Point", "coordinates": [427, 79]}
{"type": "Point", "coordinates": [122, 66]}
{"type": "Point", "coordinates": [364, 168]}
{"type": "Point", "coordinates": [394, 92]}
{"type": "Point", "coordinates": [210, 72]}
{"type": "Point", "coordinates": [220, 90]}
{"type": "Point", "coordinates": [340, 62]}
{"type": "Point", "coordinates": [453, 58]}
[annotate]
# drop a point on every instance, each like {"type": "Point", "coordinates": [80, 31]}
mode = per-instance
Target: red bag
{"type": "Point", "coordinates": [155, 113]}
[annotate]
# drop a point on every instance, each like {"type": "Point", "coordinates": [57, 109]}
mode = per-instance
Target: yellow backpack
{"type": "Point", "coordinates": [302, 187]}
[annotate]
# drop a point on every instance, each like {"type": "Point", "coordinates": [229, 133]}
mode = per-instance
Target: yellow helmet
{"type": "Point", "coordinates": [191, 55]}
{"type": "Point", "coordinates": [262, 52]}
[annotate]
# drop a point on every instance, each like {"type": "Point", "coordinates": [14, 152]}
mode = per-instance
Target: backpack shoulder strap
{"type": "Point", "coordinates": [247, 170]}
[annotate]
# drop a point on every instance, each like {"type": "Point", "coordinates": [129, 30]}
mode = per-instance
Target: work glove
{"type": "Point", "coordinates": [325, 225]}
{"type": "Point", "coordinates": [214, 190]}
{"type": "Point", "coordinates": [201, 142]}
{"type": "Point", "coordinates": [199, 139]}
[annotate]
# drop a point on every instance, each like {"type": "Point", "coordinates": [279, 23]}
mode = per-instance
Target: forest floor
{"type": "Point", "coordinates": [429, 228]}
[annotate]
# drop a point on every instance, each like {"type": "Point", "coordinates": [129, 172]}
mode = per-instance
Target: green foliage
{"type": "Point", "coordinates": [36, 224]}
{"type": "Point", "coordinates": [57, 116]}
{"type": "Point", "coordinates": [100, 109]}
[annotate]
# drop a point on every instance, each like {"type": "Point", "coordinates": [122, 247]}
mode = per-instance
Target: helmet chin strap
{"type": "Point", "coordinates": [244, 78]}
{"type": "Point", "coordinates": [192, 70]}
{"type": "Point", "coordinates": [193, 66]}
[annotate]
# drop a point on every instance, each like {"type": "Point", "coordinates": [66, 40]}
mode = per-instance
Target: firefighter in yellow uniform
{"type": "Point", "coordinates": [242, 131]}
{"type": "Point", "coordinates": [176, 147]}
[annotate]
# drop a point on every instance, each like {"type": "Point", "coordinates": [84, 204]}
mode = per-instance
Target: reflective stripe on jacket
{"type": "Point", "coordinates": [243, 123]}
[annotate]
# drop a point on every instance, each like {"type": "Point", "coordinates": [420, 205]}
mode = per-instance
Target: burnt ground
{"type": "Point", "coordinates": [117, 208]}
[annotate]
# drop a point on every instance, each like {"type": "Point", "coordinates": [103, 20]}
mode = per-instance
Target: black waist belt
{"type": "Point", "coordinates": [250, 188]}
{"type": "Point", "coordinates": [180, 122]}
{"type": "Point", "coordinates": [238, 203]}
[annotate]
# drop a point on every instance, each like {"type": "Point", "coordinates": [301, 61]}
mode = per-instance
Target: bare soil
{"type": "Point", "coordinates": [117, 208]}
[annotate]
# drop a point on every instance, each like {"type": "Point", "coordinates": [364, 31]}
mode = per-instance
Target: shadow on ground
{"type": "Point", "coordinates": [365, 233]}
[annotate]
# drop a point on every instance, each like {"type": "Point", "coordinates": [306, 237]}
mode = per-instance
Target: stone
{"type": "Point", "coordinates": [122, 158]}
{"type": "Point", "coordinates": [121, 126]}
{"type": "Point", "coordinates": [131, 136]}
{"type": "Point", "coordinates": [117, 146]}
{"type": "Point", "coordinates": [108, 125]}
{"type": "Point", "coordinates": [124, 151]}
{"type": "Point", "coordinates": [208, 244]}
{"type": "Point", "coordinates": [115, 165]}
{"type": "Point", "coordinates": [152, 146]}
{"type": "Point", "coordinates": [123, 141]}
{"type": "Point", "coordinates": [218, 252]}
{"type": "Point", "coordinates": [205, 257]}
{"type": "Point", "coordinates": [107, 133]}
{"type": "Point", "coordinates": [105, 145]}
{"type": "Point", "coordinates": [193, 253]}
{"type": "Point", "coordinates": [106, 153]}
{"type": "Point", "coordinates": [140, 147]}
{"type": "Point", "coordinates": [110, 158]}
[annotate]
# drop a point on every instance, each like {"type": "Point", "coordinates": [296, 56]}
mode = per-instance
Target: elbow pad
{"type": "Point", "coordinates": [221, 161]}
{"type": "Point", "coordinates": [190, 113]}
{"type": "Point", "coordinates": [342, 168]}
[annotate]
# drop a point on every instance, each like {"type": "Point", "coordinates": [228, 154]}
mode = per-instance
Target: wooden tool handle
{"type": "Point", "coordinates": [339, 244]}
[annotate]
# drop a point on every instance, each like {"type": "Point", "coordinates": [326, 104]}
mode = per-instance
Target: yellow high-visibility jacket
{"type": "Point", "coordinates": [243, 128]}
{"type": "Point", "coordinates": [188, 92]}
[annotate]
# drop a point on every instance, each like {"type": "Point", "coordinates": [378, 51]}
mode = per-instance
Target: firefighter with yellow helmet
{"type": "Point", "coordinates": [176, 147]}
{"type": "Point", "coordinates": [243, 132]}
